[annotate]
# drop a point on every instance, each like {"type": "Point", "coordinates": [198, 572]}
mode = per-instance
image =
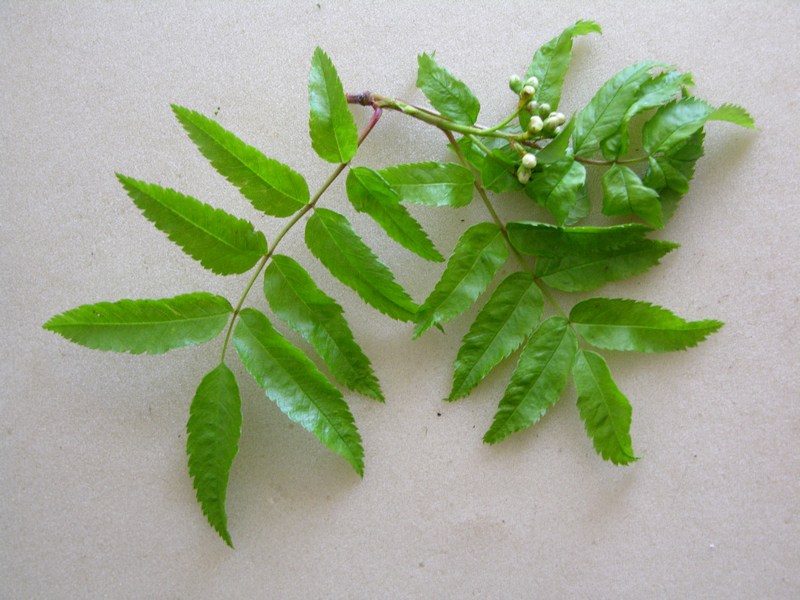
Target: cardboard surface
{"type": "Point", "coordinates": [95, 500]}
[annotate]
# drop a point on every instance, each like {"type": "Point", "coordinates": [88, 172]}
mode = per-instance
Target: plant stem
{"type": "Point", "coordinates": [622, 161]}
{"type": "Point", "coordinates": [376, 115]}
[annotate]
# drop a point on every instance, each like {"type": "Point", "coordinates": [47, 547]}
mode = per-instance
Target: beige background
{"type": "Point", "coordinates": [94, 496]}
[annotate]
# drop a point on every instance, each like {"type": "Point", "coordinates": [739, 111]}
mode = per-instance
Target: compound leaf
{"type": "Point", "coordinates": [538, 379]}
{"type": "Point", "coordinates": [624, 193]}
{"type": "Point", "coordinates": [431, 183]}
{"type": "Point", "coordinates": [478, 255]}
{"type": "Point", "coordinates": [621, 324]}
{"type": "Point", "coordinates": [450, 96]}
{"type": "Point", "coordinates": [591, 270]}
{"type": "Point", "coordinates": [543, 239]}
{"type": "Point", "coordinates": [556, 187]}
{"type": "Point", "coordinates": [221, 242]}
{"type": "Point", "coordinates": [604, 114]}
{"type": "Point", "coordinates": [605, 411]}
{"type": "Point", "coordinates": [213, 430]}
{"type": "Point", "coordinates": [509, 316]}
{"type": "Point", "coordinates": [295, 299]}
{"type": "Point", "coordinates": [271, 186]}
{"type": "Point", "coordinates": [297, 387]}
{"type": "Point", "coordinates": [332, 240]}
{"type": "Point", "coordinates": [144, 326]}
{"type": "Point", "coordinates": [370, 193]}
{"type": "Point", "coordinates": [334, 135]}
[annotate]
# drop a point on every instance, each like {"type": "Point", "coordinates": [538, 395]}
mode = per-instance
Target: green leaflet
{"type": "Point", "coordinates": [510, 315]}
{"type": "Point", "coordinates": [478, 255]}
{"type": "Point", "coordinates": [591, 270]}
{"type": "Point", "coordinates": [538, 379]}
{"type": "Point", "coordinates": [292, 382]}
{"type": "Point", "coordinates": [556, 150]}
{"type": "Point", "coordinates": [605, 411]}
{"type": "Point", "coordinates": [144, 326]}
{"type": "Point", "coordinates": [674, 123]}
{"type": "Point", "coordinates": [550, 64]}
{"type": "Point", "coordinates": [221, 242]}
{"type": "Point", "coordinates": [542, 239]}
{"type": "Point", "coordinates": [334, 135]}
{"type": "Point", "coordinates": [332, 240]}
{"type": "Point", "coordinates": [604, 114]}
{"type": "Point", "coordinates": [624, 193]}
{"type": "Point", "coordinates": [733, 114]}
{"type": "Point", "coordinates": [295, 299]}
{"type": "Point", "coordinates": [213, 430]}
{"type": "Point", "coordinates": [450, 96]}
{"type": "Point", "coordinates": [370, 193]}
{"type": "Point", "coordinates": [556, 187]}
{"type": "Point", "coordinates": [620, 324]}
{"type": "Point", "coordinates": [498, 168]}
{"type": "Point", "coordinates": [657, 91]}
{"type": "Point", "coordinates": [431, 183]}
{"type": "Point", "coordinates": [271, 187]}
{"type": "Point", "coordinates": [671, 174]}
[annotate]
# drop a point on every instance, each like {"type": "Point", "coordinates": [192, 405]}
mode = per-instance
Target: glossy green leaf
{"type": "Point", "coordinates": [591, 270]}
{"type": "Point", "coordinates": [550, 64]}
{"type": "Point", "coordinates": [659, 90]}
{"type": "Point", "coordinates": [295, 298]}
{"type": "Point", "coordinates": [733, 114]}
{"type": "Point", "coordinates": [605, 411]}
{"type": "Point", "coordinates": [271, 186]}
{"type": "Point", "coordinates": [450, 96]}
{"type": "Point", "coordinates": [144, 326]}
{"type": "Point", "coordinates": [213, 430]}
{"type": "Point", "coordinates": [431, 183]}
{"type": "Point", "coordinates": [538, 379]}
{"type": "Point", "coordinates": [674, 123]}
{"type": "Point", "coordinates": [604, 114]}
{"type": "Point", "coordinates": [332, 240]}
{"type": "Point", "coordinates": [556, 187]}
{"type": "Point", "coordinates": [620, 324]}
{"type": "Point", "coordinates": [478, 255]}
{"type": "Point", "coordinates": [556, 150]}
{"type": "Point", "coordinates": [334, 135]}
{"type": "Point", "coordinates": [624, 193]}
{"type": "Point", "coordinates": [542, 239]}
{"type": "Point", "coordinates": [219, 241]}
{"type": "Point", "coordinates": [504, 322]}
{"type": "Point", "coordinates": [297, 387]}
{"type": "Point", "coordinates": [371, 194]}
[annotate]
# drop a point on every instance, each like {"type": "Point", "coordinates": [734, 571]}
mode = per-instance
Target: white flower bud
{"type": "Point", "coordinates": [558, 129]}
{"type": "Point", "coordinates": [529, 161]}
{"type": "Point", "coordinates": [532, 107]}
{"type": "Point", "coordinates": [515, 83]}
{"type": "Point", "coordinates": [544, 109]}
{"type": "Point", "coordinates": [523, 175]}
{"type": "Point", "coordinates": [551, 122]}
{"type": "Point", "coordinates": [535, 124]}
{"type": "Point", "coordinates": [532, 81]}
{"type": "Point", "coordinates": [561, 118]}
{"type": "Point", "coordinates": [527, 92]}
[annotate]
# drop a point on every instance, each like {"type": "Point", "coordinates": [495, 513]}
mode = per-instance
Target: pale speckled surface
{"type": "Point", "coordinates": [95, 501]}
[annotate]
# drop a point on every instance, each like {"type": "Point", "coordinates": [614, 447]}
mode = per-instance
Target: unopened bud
{"type": "Point", "coordinates": [532, 107]}
{"type": "Point", "coordinates": [532, 81]}
{"type": "Point", "coordinates": [529, 161]}
{"type": "Point", "coordinates": [560, 117]}
{"type": "Point", "coordinates": [515, 83]}
{"type": "Point", "coordinates": [527, 92]}
{"type": "Point", "coordinates": [535, 124]}
{"type": "Point", "coordinates": [544, 109]}
{"type": "Point", "coordinates": [523, 175]}
{"type": "Point", "coordinates": [551, 122]}
{"type": "Point", "coordinates": [558, 129]}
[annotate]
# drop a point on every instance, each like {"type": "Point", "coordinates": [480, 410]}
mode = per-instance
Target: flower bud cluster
{"type": "Point", "coordinates": [544, 122]}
